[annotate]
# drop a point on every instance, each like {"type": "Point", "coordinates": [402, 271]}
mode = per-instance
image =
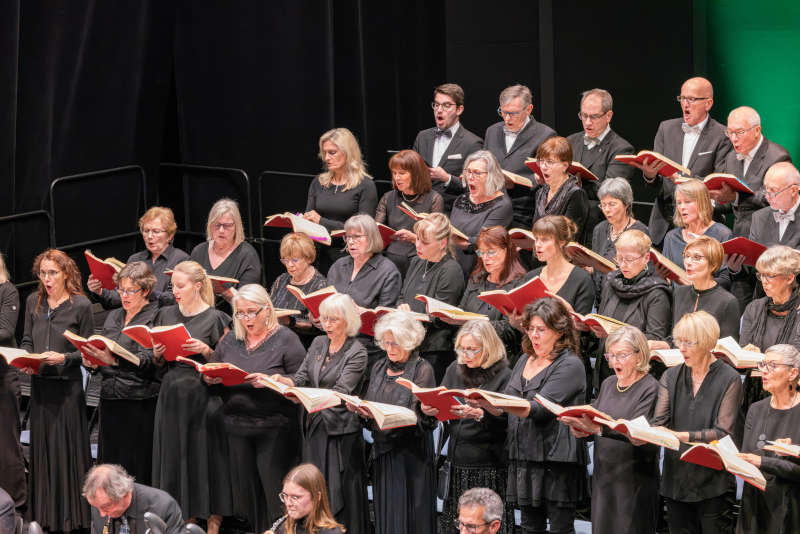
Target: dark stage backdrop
{"type": "Point", "coordinates": [88, 85]}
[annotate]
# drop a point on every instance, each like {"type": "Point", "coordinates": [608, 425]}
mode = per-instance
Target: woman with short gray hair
{"type": "Point", "coordinates": [616, 203]}
{"type": "Point", "coordinates": [403, 472]}
{"type": "Point", "coordinates": [776, 419]}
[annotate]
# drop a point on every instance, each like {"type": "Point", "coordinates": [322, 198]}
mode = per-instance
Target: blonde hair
{"type": "Point", "coordinates": [356, 169]}
{"type": "Point", "coordinates": [220, 208]}
{"type": "Point", "coordinates": [300, 244]}
{"type": "Point", "coordinates": [634, 239]}
{"type": "Point", "coordinates": [197, 274]}
{"type": "Point", "coordinates": [779, 259]}
{"type": "Point", "coordinates": [710, 248]}
{"type": "Point", "coordinates": [310, 478]}
{"type": "Point", "coordinates": [699, 326]}
{"type": "Point", "coordinates": [407, 331]}
{"type": "Point", "coordinates": [4, 276]}
{"type": "Point", "coordinates": [696, 191]}
{"type": "Point", "coordinates": [258, 296]}
{"type": "Point", "coordinates": [365, 223]}
{"type": "Point", "coordinates": [492, 349]}
{"type": "Point", "coordinates": [344, 307]}
{"type": "Point", "coordinates": [435, 227]}
{"type": "Point", "coordinates": [166, 216]}
{"type": "Point", "coordinates": [635, 339]}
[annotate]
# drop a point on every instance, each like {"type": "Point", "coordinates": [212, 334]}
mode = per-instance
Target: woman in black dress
{"type": "Point", "coordinates": [128, 393]}
{"type": "Point", "coordinates": [12, 464]}
{"type": "Point", "coordinates": [776, 418]}
{"type": "Point", "coordinates": [59, 432]}
{"type": "Point", "coordinates": [297, 255]}
{"type": "Point", "coordinates": [498, 267]}
{"type": "Point", "coordinates": [343, 190]}
{"type": "Point", "coordinates": [403, 473]}
{"type": "Point", "coordinates": [158, 229]}
{"type": "Point", "coordinates": [547, 464]}
{"type": "Point", "coordinates": [190, 456]}
{"type": "Point", "coordinates": [625, 476]}
{"type": "Point", "coordinates": [477, 439]}
{"type": "Point", "coordinates": [484, 204]}
{"type": "Point", "coordinates": [700, 401]}
{"type": "Point", "coordinates": [263, 427]}
{"type": "Point", "coordinates": [225, 252]}
{"type": "Point", "coordinates": [411, 184]}
{"type": "Point", "coordinates": [332, 437]}
{"type": "Point", "coordinates": [561, 193]}
{"type": "Point", "coordinates": [306, 499]}
{"type": "Point", "coordinates": [433, 272]}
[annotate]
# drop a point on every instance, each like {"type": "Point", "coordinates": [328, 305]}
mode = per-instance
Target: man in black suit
{"type": "Point", "coordinates": [445, 147]}
{"type": "Point", "coordinates": [119, 504]}
{"type": "Point", "coordinates": [752, 155]}
{"type": "Point", "coordinates": [595, 148]}
{"type": "Point", "coordinates": [779, 223]}
{"type": "Point", "coordinates": [514, 140]}
{"type": "Point", "coordinates": [694, 140]}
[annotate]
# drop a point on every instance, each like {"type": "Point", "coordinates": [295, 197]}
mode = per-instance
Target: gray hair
{"type": "Point", "coordinates": [618, 188]}
{"type": "Point", "coordinates": [491, 502]}
{"type": "Point", "coordinates": [753, 119]}
{"type": "Point", "coordinates": [636, 340]}
{"type": "Point", "coordinates": [111, 478]}
{"type": "Point", "coordinates": [257, 295]}
{"type": "Point", "coordinates": [220, 208]}
{"type": "Point", "coordinates": [407, 331]}
{"type": "Point", "coordinates": [344, 307]}
{"type": "Point", "coordinates": [788, 353]}
{"type": "Point", "coordinates": [516, 91]}
{"type": "Point", "coordinates": [492, 349]}
{"type": "Point", "coordinates": [606, 102]}
{"type": "Point", "coordinates": [365, 223]}
{"type": "Point", "coordinates": [494, 179]}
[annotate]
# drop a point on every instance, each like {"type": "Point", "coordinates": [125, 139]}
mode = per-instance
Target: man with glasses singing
{"type": "Point", "coordinates": [752, 155]}
{"type": "Point", "coordinates": [445, 146]}
{"type": "Point", "coordinates": [778, 224]}
{"type": "Point", "coordinates": [595, 147]}
{"type": "Point", "coordinates": [515, 139]}
{"type": "Point", "coordinates": [479, 512]}
{"type": "Point", "coordinates": [694, 140]}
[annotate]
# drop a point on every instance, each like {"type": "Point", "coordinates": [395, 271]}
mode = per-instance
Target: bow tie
{"type": "Point", "coordinates": [781, 217]}
{"type": "Point", "coordinates": [445, 133]}
{"type": "Point", "coordinates": [744, 157]}
{"type": "Point", "coordinates": [590, 140]}
{"type": "Point", "coordinates": [509, 132]}
{"type": "Point", "coordinates": [690, 129]}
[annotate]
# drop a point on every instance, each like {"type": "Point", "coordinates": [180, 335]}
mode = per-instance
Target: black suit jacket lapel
{"type": "Point", "coordinates": [522, 138]}
{"type": "Point", "coordinates": [673, 143]}
{"type": "Point", "coordinates": [454, 146]}
{"type": "Point", "coordinates": [427, 145]}
{"type": "Point", "coordinates": [790, 233]}
{"type": "Point", "coordinates": [754, 169]}
{"type": "Point", "coordinates": [595, 153]}
{"type": "Point", "coordinates": [701, 146]}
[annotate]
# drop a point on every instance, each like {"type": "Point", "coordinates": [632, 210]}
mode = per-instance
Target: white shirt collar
{"type": "Point", "coordinates": [604, 134]}
{"type": "Point", "coordinates": [702, 124]}
{"type": "Point", "coordinates": [752, 153]}
{"type": "Point", "coordinates": [793, 208]}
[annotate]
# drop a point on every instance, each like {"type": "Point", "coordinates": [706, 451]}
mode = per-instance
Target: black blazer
{"type": "Point", "coordinates": [764, 229]}
{"type": "Point", "coordinates": [145, 499]}
{"type": "Point", "coordinates": [461, 145]}
{"type": "Point", "coordinates": [708, 156]}
{"type": "Point", "coordinates": [525, 146]}
{"type": "Point", "coordinates": [600, 159]}
{"type": "Point", "coordinates": [766, 155]}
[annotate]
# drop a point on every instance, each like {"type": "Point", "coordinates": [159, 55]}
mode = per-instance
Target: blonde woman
{"type": "Point", "coordinates": [305, 496]}
{"type": "Point", "coordinates": [190, 458]}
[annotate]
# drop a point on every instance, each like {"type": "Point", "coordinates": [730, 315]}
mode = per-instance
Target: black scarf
{"type": "Point", "coordinates": [638, 286]}
{"type": "Point", "coordinates": [558, 204]}
{"type": "Point", "coordinates": [789, 320]}
{"type": "Point", "coordinates": [478, 376]}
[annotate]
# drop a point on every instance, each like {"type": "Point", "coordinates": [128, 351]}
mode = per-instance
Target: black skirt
{"type": "Point", "coordinates": [126, 436]}
{"type": "Point", "coordinates": [403, 481]}
{"type": "Point", "coordinates": [60, 455]}
{"type": "Point", "coordinates": [464, 477]}
{"type": "Point", "coordinates": [533, 483]}
{"type": "Point", "coordinates": [190, 448]}
{"type": "Point", "coordinates": [12, 465]}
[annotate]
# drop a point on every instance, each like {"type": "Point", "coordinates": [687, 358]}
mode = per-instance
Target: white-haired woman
{"type": "Point", "coordinates": [343, 190]}
{"type": "Point", "coordinates": [776, 418]}
{"type": "Point", "coordinates": [477, 439]}
{"type": "Point", "coordinates": [225, 252]}
{"type": "Point", "coordinates": [262, 426]}
{"type": "Point", "coordinates": [625, 476]}
{"type": "Point", "coordinates": [190, 449]}
{"type": "Point", "coordinates": [403, 458]}
{"type": "Point", "coordinates": [484, 204]}
{"type": "Point", "coordinates": [332, 437]}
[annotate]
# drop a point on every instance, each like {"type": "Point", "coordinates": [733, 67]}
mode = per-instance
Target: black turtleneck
{"type": "Point", "coordinates": [717, 301]}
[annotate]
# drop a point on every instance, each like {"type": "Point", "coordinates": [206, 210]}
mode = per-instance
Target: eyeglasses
{"type": "Point", "coordinates": [505, 114]}
{"type": "Point", "coordinates": [128, 292]}
{"type": "Point", "coordinates": [536, 330]}
{"type": "Point", "coordinates": [223, 226]}
{"type": "Point", "coordinates": [547, 163]}
{"type": "Point", "coordinates": [463, 352]}
{"type": "Point", "coordinates": [469, 173]}
{"type": "Point", "coordinates": [50, 274]}
{"type": "Point", "coordinates": [627, 261]}
{"type": "Point", "coordinates": [738, 133]}
{"type": "Point", "coordinates": [491, 253]}
{"type": "Point", "coordinates": [691, 99]}
{"type": "Point", "coordinates": [389, 344]}
{"type": "Point", "coordinates": [765, 277]}
{"type": "Point", "coordinates": [593, 116]}
{"type": "Point", "coordinates": [329, 319]}
{"type": "Point", "coordinates": [248, 315]}
{"type": "Point", "coordinates": [770, 367]}
{"type": "Point", "coordinates": [291, 261]}
{"type": "Point", "coordinates": [294, 499]}
{"type": "Point", "coordinates": [610, 205]}
{"type": "Point", "coordinates": [353, 237]}
{"type": "Point", "coordinates": [621, 357]}
{"type": "Point", "coordinates": [694, 258]}
{"type": "Point", "coordinates": [447, 106]}
{"type": "Point", "coordinates": [153, 231]}
{"type": "Point", "coordinates": [685, 343]}
{"type": "Point", "coordinates": [773, 194]}
{"type": "Point", "coordinates": [469, 527]}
